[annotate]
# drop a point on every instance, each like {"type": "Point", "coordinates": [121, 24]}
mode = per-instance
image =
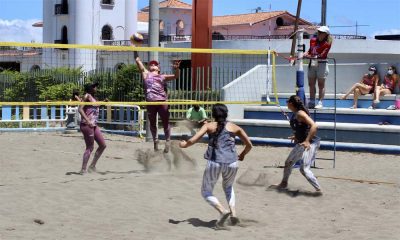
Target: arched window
{"type": "Point", "coordinates": [279, 21]}
{"type": "Point", "coordinates": [180, 27]}
{"type": "Point", "coordinates": [35, 68]}
{"type": "Point", "coordinates": [106, 33]}
{"type": "Point", "coordinates": [162, 26]}
{"type": "Point", "coordinates": [64, 35]}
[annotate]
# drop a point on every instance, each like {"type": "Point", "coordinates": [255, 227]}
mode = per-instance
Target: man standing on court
{"type": "Point", "coordinates": [318, 65]}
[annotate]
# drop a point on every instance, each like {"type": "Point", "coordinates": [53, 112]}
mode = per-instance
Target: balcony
{"type": "Point", "coordinates": [61, 9]}
{"type": "Point", "coordinates": [61, 42]}
{"type": "Point", "coordinates": [107, 3]}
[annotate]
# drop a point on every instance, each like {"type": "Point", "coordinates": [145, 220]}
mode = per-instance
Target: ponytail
{"type": "Point", "coordinates": [298, 104]}
{"type": "Point", "coordinates": [220, 114]}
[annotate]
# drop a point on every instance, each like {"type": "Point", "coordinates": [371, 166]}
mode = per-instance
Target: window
{"type": "Point", "coordinates": [279, 21]}
{"type": "Point", "coordinates": [107, 2]}
{"type": "Point", "coordinates": [61, 8]}
{"type": "Point", "coordinates": [64, 35]}
{"type": "Point", "coordinates": [180, 27]}
{"type": "Point", "coordinates": [106, 33]}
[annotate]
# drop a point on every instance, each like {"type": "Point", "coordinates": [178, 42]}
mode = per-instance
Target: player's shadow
{"type": "Point", "coordinates": [195, 222]}
{"type": "Point", "coordinates": [294, 193]}
{"type": "Point", "coordinates": [107, 172]}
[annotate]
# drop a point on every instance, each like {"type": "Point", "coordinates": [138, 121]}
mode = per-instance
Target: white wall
{"type": "Point", "coordinates": [171, 15]}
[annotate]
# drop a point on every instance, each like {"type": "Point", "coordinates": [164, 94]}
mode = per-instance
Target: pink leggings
{"type": "Point", "coordinates": [162, 110]}
{"type": "Point", "coordinates": [90, 135]}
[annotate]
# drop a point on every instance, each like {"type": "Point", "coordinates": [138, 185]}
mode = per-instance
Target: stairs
{"type": "Point", "coordinates": [358, 129]}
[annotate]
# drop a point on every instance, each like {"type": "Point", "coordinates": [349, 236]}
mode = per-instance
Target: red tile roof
{"type": "Point", "coordinates": [143, 17]}
{"type": "Point", "coordinates": [251, 18]}
{"type": "Point", "coordinates": [240, 19]}
{"type": "Point", "coordinates": [171, 4]}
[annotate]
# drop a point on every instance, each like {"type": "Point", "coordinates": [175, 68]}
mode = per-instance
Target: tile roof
{"type": "Point", "coordinates": [240, 19]}
{"type": "Point", "coordinates": [143, 17]}
{"type": "Point", "coordinates": [170, 4]}
{"type": "Point", "coordinates": [251, 18]}
{"type": "Point", "coordinates": [291, 27]}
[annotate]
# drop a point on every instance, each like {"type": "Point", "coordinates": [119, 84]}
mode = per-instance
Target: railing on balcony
{"type": "Point", "coordinates": [217, 37]}
{"type": "Point", "coordinates": [62, 41]}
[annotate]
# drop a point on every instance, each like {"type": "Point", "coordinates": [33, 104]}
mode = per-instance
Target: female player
{"type": "Point", "coordinates": [91, 132]}
{"type": "Point", "coordinates": [221, 159]}
{"type": "Point", "coordinates": [307, 143]}
{"type": "Point", "coordinates": [155, 91]}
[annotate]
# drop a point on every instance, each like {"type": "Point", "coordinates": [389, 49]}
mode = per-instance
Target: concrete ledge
{"type": "Point", "coordinates": [322, 125]}
{"type": "Point", "coordinates": [339, 95]}
{"type": "Point", "coordinates": [341, 146]}
{"type": "Point", "coordinates": [360, 111]}
{"type": "Point", "coordinates": [55, 129]}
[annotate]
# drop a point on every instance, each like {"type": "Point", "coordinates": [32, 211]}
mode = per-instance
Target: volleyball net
{"type": "Point", "coordinates": [33, 74]}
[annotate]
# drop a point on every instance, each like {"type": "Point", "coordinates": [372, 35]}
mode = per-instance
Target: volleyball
{"type": "Point", "coordinates": [136, 38]}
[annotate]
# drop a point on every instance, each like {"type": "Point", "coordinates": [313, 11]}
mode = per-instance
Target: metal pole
{"type": "Point", "coordinates": [154, 19]}
{"type": "Point", "coordinates": [296, 25]}
{"type": "Point", "coordinates": [300, 72]}
{"type": "Point", "coordinates": [323, 13]}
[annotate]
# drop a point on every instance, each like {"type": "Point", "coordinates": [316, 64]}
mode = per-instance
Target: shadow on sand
{"type": "Point", "coordinates": [195, 222]}
{"type": "Point", "coordinates": [294, 193]}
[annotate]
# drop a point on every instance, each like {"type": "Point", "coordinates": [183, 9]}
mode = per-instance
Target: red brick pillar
{"type": "Point", "coordinates": [201, 38]}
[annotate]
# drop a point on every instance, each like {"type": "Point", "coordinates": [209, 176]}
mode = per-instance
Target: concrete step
{"type": "Point", "coordinates": [345, 132]}
{"type": "Point", "coordinates": [343, 115]}
{"type": "Point", "coordinates": [329, 101]}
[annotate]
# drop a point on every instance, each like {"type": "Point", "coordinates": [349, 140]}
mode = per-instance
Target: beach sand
{"type": "Point", "coordinates": [138, 195]}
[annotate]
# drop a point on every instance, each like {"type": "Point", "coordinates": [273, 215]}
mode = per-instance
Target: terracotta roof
{"type": "Point", "coordinates": [37, 24]}
{"type": "Point", "coordinates": [291, 27]}
{"type": "Point", "coordinates": [171, 4]}
{"type": "Point", "coordinates": [143, 17]}
{"type": "Point", "coordinates": [251, 18]}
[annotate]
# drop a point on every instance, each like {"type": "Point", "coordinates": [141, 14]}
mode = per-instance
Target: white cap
{"type": "Point", "coordinates": [324, 29]}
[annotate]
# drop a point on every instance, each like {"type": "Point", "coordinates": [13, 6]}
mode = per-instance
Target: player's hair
{"type": "Point", "coordinates": [219, 113]}
{"type": "Point", "coordinates": [298, 104]}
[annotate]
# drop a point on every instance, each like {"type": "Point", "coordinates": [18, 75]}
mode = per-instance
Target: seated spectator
{"type": "Point", "coordinates": [367, 85]}
{"type": "Point", "coordinates": [195, 118]}
{"type": "Point", "coordinates": [387, 87]}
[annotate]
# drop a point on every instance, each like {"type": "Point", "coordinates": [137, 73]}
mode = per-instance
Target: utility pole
{"type": "Point", "coordinates": [154, 41]}
{"type": "Point", "coordinates": [323, 13]}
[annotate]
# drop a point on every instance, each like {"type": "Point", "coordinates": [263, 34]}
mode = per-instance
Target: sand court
{"type": "Point", "coordinates": [138, 194]}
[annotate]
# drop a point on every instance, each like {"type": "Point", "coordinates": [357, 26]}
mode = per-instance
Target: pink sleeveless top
{"type": "Point", "coordinates": [154, 86]}
{"type": "Point", "coordinates": [388, 82]}
{"type": "Point", "coordinates": [92, 112]}
{"type": "Point", "coordinates": [369, 80]}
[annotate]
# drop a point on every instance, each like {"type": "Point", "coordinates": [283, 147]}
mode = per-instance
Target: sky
{"type": "Point", "coordinates": [378, 16]}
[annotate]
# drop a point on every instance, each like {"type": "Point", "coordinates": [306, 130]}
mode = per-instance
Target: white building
{"type": "Point", "coordinates": [85, 22]}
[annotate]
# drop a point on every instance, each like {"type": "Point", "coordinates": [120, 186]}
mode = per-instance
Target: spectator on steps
{"type": "Point", "coordinates": [367, 85]}
{"type": "Point", "coordinates": [387, 87]}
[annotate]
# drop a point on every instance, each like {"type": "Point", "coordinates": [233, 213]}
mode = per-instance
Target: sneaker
{"type": "Point", "coordinates": [376, 101]}
{"type": "Point", "coordinates": [371, 107]}
{"type": "Point", "coordinates": [235, 221]}
{"type": "Point", "coordinates": [391, 107]}
{"type": "Point", "coordinates": [319, 105]}
{"type": "Point", "coordinates": [222, 219]}
{"type": "Point", "coordinates": [353, 107]}
{"type": "Point", "coordinates": [311, 105]}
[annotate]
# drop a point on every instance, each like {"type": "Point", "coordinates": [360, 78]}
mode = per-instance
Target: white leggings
{"type": "Point", "coordinates": [210, 178]}
{"type": "Point", "coordinates": [307, 159]}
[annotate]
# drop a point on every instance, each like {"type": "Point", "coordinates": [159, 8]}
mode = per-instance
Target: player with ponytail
{"type": "Point", "coordinates": [221, 156]}
{"type": "Point", "coordinates": [307, 143]}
